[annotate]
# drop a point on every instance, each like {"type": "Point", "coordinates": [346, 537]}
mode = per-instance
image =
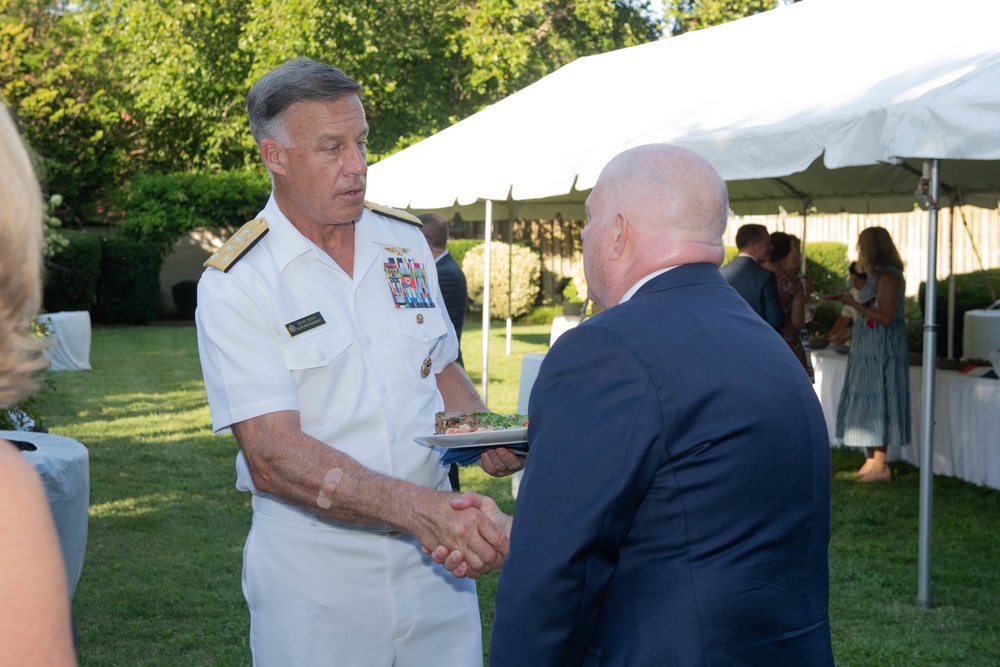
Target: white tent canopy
{"type": "Point", "coordinates": [779, 103]}
{"type": "Point", "coordinates": [834, 104]}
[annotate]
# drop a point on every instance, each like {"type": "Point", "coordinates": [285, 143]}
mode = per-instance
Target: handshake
{"type": "Point", "coordinates": [478, 540]}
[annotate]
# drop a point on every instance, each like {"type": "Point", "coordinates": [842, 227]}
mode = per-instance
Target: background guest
{"type": "Point", "coordinates": [874, 410]}
{"type": "Point", "coordinates": [453, 288]}
{"type": "Point", "coordinates": [756, 285]}
{"type": "Point", "coordinates": [784, 264]}
{"type": "Point", "coordinates": [807, 290]}
{"type": "Point", "coordinates": [856, 280]}
{"type": "Point", "coordinates": [35, 625]}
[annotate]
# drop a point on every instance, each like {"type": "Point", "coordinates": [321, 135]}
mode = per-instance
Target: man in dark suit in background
{"type": "Point", "coordinates": [675, 505]}
{"type": "Point", "coordinates": [450, 276]}
{"type": "Point", "coordinates": [453, 289]}
{"type": "Point", "coordinates": [757, 285]}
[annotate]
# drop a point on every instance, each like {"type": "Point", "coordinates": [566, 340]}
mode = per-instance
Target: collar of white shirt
{"type": "Point", "coordinates": [643, 281]}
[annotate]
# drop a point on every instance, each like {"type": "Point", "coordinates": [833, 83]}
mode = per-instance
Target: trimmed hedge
{"type": "Point", "coordinates": [128, 291]}
{"type": "Point", "coordinates": [72, 273]}
{"type": "Point", "coordinates": [160, 208]}
{"type": "Point", "coordinates": [971, 292]}
{"type": "Point", "coordinates": [185, 295]}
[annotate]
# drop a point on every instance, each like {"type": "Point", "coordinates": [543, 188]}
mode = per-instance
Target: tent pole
{"type": "Point", "coordinates": [927, 408]}
{"type": "Point", "coordinates": [951, 283]}
{"type": "Point", "coordinates": [486, 298]}
{"type": "Point", "coordinates": [510, 276]}
{"type": "Point", "coordinates": [805, 222]}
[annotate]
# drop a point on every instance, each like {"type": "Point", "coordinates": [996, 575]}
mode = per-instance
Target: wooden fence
{"type": "Point", "coordinates": [972, 234]}
{"type": "Point", "coordinates": [968, 239]}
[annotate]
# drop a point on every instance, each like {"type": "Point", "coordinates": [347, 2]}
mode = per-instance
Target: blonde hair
{"type": "Point", "coordinates": [20, 266]}
{"type": "Point", "coordinates": [877, 251]}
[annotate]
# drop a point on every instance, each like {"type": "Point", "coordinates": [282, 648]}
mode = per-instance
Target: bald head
{"type": "Point", "coordinates": [435, 231]}
{"type": "Point", "coordinates": [653, 206]}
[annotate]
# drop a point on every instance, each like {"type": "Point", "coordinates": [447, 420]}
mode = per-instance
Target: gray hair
{"type": "Point", "coordinates": [296, 80]}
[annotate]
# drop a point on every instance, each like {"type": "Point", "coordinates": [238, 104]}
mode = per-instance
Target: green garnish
{"type": "Point", "coordinates": [499, 421]}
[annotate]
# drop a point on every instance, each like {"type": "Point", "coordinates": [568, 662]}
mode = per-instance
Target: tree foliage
{"type": "Point", "coordinates": [687, 15]}
{"type": "Point", "coordinates": [114, 87]}
{"type": "Point", "coordinates": [69, 108]}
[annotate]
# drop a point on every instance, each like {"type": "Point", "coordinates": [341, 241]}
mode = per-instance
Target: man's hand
{"type": "Point", "coordinates": [475, 530]}
{"type": "Point", "coordinates": [501, 462]}
{"type": "Point", "coordinates": [454, 560]}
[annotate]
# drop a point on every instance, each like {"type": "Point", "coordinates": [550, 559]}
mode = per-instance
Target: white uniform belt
{"type": "Point", "coordinates": [276, 508]}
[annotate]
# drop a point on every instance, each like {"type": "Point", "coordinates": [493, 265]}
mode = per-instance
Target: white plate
{"type": "Point", "coordinates": [509, 436]}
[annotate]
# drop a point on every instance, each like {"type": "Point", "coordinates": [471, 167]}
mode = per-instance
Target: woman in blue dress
{"type": "Point", "coordinates": [874, 408]}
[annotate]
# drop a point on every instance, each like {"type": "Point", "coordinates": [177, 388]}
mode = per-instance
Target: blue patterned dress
{"type": "Point", "coordinates": [875, 401]}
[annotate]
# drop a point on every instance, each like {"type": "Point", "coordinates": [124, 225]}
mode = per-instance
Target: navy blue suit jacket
{"type": "Point", "coordinates": [455, 292]}
{"type": "Point", "coordinates": [758, 287]}
{"type": "Point", "coordinates": [675, 506]}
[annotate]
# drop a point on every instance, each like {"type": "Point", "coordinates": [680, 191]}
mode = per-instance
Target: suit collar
{"type": "Point", "coordinates": [701, 273]}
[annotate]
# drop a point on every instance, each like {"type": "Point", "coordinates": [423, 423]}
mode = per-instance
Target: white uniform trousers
{"type": "Point", "coordinates": [324, 595]}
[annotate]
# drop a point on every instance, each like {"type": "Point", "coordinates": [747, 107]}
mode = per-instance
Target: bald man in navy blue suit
{"type": "Point", "coordinates": [675, 505]}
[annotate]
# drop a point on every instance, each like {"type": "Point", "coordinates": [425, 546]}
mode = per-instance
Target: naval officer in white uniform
{"type": "Point", "coordinates": [326, 349]}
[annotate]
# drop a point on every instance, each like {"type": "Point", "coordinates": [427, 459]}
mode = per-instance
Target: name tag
{"type": "Point", "coordinates": [305, 324]}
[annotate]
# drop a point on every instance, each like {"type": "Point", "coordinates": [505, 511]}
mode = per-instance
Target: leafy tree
{"type": "Point", "coordinates": [64, 103]}
{"type": "Point", "coordinates": [687, 15]}
{"type": "Point", "coordinates": [426, 64]}
{"type": "Point", "coordinates": [185, 74]}
{"type": "Point", "coordinates": [114, 87]}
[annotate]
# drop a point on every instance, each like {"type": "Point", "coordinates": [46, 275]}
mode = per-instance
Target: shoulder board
{"type": "Point", "coordinates": [238, 245]}
{"type": "Point", "coordinates": [394, 213]}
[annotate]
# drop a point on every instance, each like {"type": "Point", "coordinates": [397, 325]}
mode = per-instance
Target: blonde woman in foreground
{"type": "Point", "coordinates": [35, 626]}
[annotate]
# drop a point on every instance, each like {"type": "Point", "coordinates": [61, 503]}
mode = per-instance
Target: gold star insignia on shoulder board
{"type": "Point", "coordinates": [238, 245]}
{"type": "Point", "coordinates": [394, 213]}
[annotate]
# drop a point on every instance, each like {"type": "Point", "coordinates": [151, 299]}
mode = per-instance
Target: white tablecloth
{"type": "Point", "coordinates": [69, 340]}
{"type": "Point", "coordinates": [64, 466]}
{"type": "Point", "coordinates": [561, 325]}
{"type": "Point", "coordinates": [966, 419]}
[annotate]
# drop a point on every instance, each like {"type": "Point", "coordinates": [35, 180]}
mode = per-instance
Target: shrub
{"type": "Point", "coordinates": [826, 264]}
{"type": "Point", "coordinates": [542, 315]}
{"type": "Point", "coordinates": [160, 208]}
{"type": "Point", "coordinates": [576, 288]}
{"type": "Point", "coordinates": [972, 291]}
{"type": "Point", "coordinates": [185, 295]}
{"type": "Point", "coordinates": [458, 247]}
{"type": "Point", "coordinates": [731, 252]}
{"type": "Point", "coordinates": [128, 291]}
{"type": "Point", "coordinates": [72, 273]}
{"type": "Point", "coordinates": [524, 278]}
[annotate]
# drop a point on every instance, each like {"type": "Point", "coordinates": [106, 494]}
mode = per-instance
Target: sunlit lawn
{"type": "Point", "coordinates": [161, 580]}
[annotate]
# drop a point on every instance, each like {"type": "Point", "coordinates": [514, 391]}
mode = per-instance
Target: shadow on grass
{"type": "Point", "coordinates": [532, 338]}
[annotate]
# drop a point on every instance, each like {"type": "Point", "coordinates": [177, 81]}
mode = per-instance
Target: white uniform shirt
{"type": "Point", "coordinates": [286, 329]}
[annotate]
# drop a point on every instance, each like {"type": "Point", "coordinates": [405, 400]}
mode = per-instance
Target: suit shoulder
{"type": "Point", "coordinates": [238, 245]}
{"type": "Point", "coordinates": [394, 213]}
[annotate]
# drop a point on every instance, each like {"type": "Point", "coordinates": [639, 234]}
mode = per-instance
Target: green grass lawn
{"type": "Point", "coordinates": [161, 579]}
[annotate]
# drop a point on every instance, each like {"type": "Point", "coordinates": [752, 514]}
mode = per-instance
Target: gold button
{"type": "Point", "coordinates": [420, 318]}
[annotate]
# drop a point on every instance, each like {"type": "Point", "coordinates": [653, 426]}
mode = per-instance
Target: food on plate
{"type": "Point", "coordinates": [470, 422]}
